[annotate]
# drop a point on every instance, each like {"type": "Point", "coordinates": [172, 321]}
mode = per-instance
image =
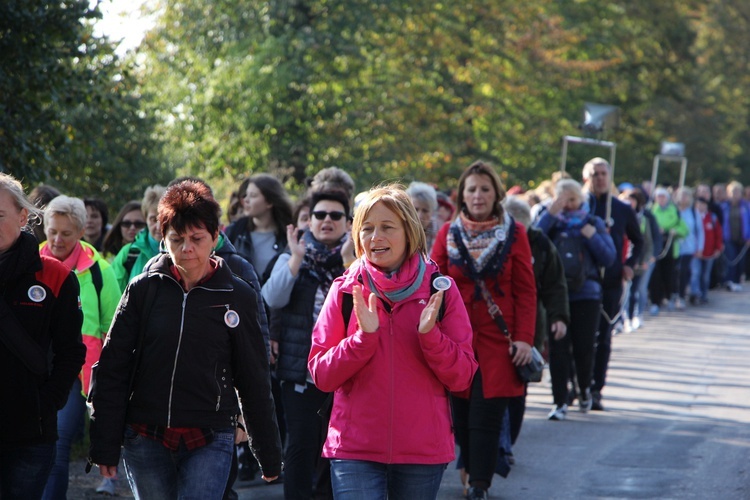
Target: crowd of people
{"type": "Point", "coordinates": [358, 339]}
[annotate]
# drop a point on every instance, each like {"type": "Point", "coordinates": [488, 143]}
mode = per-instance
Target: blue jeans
{"type": "Point", "coordinates": [70, 424]}
{"type": "Point", "coordinates": [23, 471]}
{"type": "Point", "coordinates": [362, 480]}
{"type": "Point", "coordinates": [706, 266]}
{"type": "Point", "coordinates": [155, 471]}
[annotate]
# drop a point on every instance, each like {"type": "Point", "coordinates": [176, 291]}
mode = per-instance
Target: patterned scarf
{"type": "Point", "coordinates": [398, 285]}
{"type": "Point", "coordinates": [480, 249]}
{"type": "Point", "coordinates": [574, 218]}
{"type": "Point", "coordinates": [324, 264]}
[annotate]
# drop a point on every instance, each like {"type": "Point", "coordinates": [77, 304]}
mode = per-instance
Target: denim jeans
{"type": "Point", "coordinates": [706, 266]}
{"type": "Point", "coordinates": [155, 471]}
{"type": "Point", "coordinates": [24, 470]}
{"type": "Point", "coordinates": [362, 480]}
{"type": "Point", "coordinates": [70, 424]}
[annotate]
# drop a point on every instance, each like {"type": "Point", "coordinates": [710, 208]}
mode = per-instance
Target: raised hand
{"type": "Point", "coordinates": [366, 310]}
{"type": "Point", "coordinates": [430, 312]}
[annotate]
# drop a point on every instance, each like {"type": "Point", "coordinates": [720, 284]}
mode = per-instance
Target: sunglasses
{"type": "Point", "coordinates": [321, 215]}
{"type": "Point", "coordinates": [127, 224]}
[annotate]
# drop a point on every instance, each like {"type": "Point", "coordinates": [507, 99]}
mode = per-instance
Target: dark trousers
{"type": "Point", "coordinates": [477, 421]}
{"type": "Point", "coordinates": [304, 438]}
{"type": "Point", "coordinates": [603, 347]}
{"type": "Point", "coordinates": [662, 284]}
{"type": "Point", "coordinates": [516, 411]}
{"type": "Point", "coordinates": [578, 345]}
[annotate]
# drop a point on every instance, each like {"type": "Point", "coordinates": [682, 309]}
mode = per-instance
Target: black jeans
{"type": "Point", "coordinates": [477, 422]}
{"type": "Point", "coordinates": [577, 344]}
{"type": "Point", "coordinates": [603, 349]}
{"type": "Point", "coordinates": [662, 284]}
{"type": "Point", "coordinates": [304, 438]}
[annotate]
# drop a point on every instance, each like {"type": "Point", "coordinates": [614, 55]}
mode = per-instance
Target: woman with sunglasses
{"type": "Point", "coordinates": [295, 293]}
{"type": "Point", "coordinates": [390, 356]}
{"type": "Point", "coordinates": [125, 227]}
{"type": "Point", "coordinates": [133, 256]}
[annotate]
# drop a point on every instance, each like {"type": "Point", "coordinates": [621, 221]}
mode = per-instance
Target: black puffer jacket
{"type": "Point", "coordinates": [193, 358]}
{"type": "Point", "coordinates": [43, 296]}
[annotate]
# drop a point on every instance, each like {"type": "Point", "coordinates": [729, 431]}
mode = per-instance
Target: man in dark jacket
{"type": "Point", "coordinates": [621, 222]}
{"type": "Point", "coordinates": [40, 314]}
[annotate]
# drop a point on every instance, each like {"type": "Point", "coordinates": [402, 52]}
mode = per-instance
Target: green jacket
{"type": "Point", "coordinates": [98, 309]}
{"type": "Point", "coordinates": [144, 247]}
{"type": "Point", "coordinates": [669, 221]}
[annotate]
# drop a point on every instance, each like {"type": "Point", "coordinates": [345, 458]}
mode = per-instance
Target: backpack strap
{"type": "Point", "coordinates": [133, 254]}
{"type": "Point", "coordinates": [96, 278]}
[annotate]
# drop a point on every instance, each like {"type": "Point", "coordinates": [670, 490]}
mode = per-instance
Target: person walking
{"type": "Point", "coordinates": [41, 350]}
{"type": "Point", "coordinates": [585, 246]}
{"type": "Point", "coordinates": [64, 224]}
{"type": "Point", "coordinates": [621, 223]}
{"type": "Point", "coordinates": [184, 345]}
{"type": "Point", "coordinates": [390, 358]}
{"type": "Point", "coordinates": [487, 253]}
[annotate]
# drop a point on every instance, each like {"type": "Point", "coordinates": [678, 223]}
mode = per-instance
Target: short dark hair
{"type": "Point", "coordinates": [331, 195]}
{"type": "Point", "coordinates": [100, 207]}
{"type": "Point", "coordinates": [188, 204]}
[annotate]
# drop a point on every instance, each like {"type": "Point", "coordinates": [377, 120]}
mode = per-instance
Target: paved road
{"type": "Point", "coordinates": [677, 423]}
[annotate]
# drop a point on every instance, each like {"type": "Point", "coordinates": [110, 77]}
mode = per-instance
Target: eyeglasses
{"type": "Point", "coordinates": [321, 215]}
{"type": "Point", "coordinates": [127, 224]}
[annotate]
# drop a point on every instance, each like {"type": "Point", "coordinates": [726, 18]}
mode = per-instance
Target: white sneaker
{"type": "Point", "coordinates": [735, 287]}
{"type": "Point", "coordinates": [558, 413]}
{"type": "Point", "coordinates": [679, 304]}
{"type": "Point", "coordinates": [635, 323]}
{"type": "Point", "coordinates": [627, 326]}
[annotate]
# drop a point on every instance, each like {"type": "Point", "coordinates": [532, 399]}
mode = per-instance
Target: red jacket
{"type": "Point", "coordinates": [517, 302]}
{"type": "Point", "coordinates": [391, 403]}
{"type": "Point", "coordinates": [713, 235]}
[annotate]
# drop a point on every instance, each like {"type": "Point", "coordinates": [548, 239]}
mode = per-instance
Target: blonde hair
{"type": "Point", "coordinates": [570, 185]}
{"type": "Point", "coordinates": [72, 208]}
{"type": "Point", "coordinates": [395, 199]}
{"type": "Point", "coordinates": [14, 188]}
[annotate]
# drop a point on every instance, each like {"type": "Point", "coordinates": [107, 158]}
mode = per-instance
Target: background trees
{"type": "Point", "coordinates": [386, 90]}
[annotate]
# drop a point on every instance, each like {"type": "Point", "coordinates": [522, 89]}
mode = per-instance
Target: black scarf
{"type": "Point", "coordinates": [323, 263]}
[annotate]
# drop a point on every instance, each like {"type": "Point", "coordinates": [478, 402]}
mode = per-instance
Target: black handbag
{"type": "Point", "coordinates": [530, 372]}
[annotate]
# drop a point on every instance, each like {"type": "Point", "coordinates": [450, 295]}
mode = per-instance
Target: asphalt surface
{"type": "Point", "coordinates": [676, 425]}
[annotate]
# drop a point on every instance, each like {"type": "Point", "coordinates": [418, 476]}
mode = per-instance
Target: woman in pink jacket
{"type": "Point", "coordinates": [392, 363]}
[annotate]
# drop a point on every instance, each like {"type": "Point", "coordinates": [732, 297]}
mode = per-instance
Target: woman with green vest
{"type": "Point", "coordinates": [64, 224]}
{"type": "Point", "coordinates": [663, 282]}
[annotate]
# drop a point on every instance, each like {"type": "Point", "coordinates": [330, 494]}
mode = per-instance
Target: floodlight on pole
{"type": "Point", "coordinates": [599, 117]}
{"type": "Point", "coordinates": [673, 152]}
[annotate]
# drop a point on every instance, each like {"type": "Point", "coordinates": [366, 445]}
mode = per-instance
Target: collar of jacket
{"type": "Point", "coordinates": [221, 279]}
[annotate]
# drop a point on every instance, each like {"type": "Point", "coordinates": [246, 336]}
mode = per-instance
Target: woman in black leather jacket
{"type": "Point", "coordinates": [194, 328]}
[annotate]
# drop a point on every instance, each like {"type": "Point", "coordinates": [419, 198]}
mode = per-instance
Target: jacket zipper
{"type": "Point", "coordinates": [179, 343]}
{"type": "Point", "coordinates": [392, 381]}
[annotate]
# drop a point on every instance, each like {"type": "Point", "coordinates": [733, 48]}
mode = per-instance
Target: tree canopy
{"type": "Point", "coordinates": [385, 90]}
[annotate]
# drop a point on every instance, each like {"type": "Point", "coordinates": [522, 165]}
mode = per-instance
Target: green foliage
{"type": "Point", "coordinates": [70, 111]}
{"type": "Point", "coordinates": [386, 90]}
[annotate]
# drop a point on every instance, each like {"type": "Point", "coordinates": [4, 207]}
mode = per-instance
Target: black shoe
{"type": "Point", "coordinates": [596, 401]}
{"type": "Point", "coordinates": [477, 494]}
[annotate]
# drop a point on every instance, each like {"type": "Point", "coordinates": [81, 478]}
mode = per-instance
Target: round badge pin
{"type": "Point", "coordinates": [441, 283]}
{"type": "Point", "coordinates": [500, 234]}
{"type": "Point", "coordinates": [231, 318]}
{"type": "Point", "coordinates": [37, 293]}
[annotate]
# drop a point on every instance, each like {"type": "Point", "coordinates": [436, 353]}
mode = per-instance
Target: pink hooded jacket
{"type": "Point", "coordinates": [391, 402]}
